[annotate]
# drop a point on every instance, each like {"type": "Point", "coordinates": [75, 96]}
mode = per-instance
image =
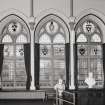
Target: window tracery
{"type": "Point", "coordinates": [52, 51]}
{"type": "Point", "coordinates": [14, 27]}
{"type": "Point", "coordinates": [89, 53]}
{"type": "Point", "coordinates": [14, 73]}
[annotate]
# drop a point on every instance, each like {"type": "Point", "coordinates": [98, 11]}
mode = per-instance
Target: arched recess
{"type": "Point", "coordinates": [53, 55]}
{"type": "Point", "coordinates": [15, 53]}
{"type": "Point", "coordinates": [90, 30]}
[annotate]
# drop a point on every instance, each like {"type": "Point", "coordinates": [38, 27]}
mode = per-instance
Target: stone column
{"type": "Point", "coordinates": [72, 53]}
{"type": "Point", "coordinates": [32, 24]}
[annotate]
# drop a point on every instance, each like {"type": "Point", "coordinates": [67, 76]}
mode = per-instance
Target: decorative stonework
{"type": "Point", "coordinates": [14, 28]}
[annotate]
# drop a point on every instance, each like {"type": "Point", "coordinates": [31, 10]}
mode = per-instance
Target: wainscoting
{"type": "Point", "coordinates": [90, 97]}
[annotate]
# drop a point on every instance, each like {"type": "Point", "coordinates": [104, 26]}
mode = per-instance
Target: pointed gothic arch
{"type": "Point", "coordinates": [15, 62]}
{"type": "Point", "coordinates": [52, 24]}
{"type": "Point", "coordinates": [90, 24]}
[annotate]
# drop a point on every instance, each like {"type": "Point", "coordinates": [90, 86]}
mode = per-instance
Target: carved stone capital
{"type": "Point", "coordinates": [72, 22]}
{"type": "Point", "coordinates": [32, 23]}
{"type": "Point", "coordinates": [72, 19]}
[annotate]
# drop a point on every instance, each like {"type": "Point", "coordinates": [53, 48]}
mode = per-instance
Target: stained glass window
{"type": "Point", "coordinates": [8, 74]}
{"type": "Point", "coordinates": [21, 39]}
{"type": "Point", "coordinates": [45, 50]}
{"type": "Point", "coordinates": [8, 51]}
{"type": "Point", "coordinates": [52, 27]}
{"type": "Point", "coordinates": [81, 38]}
{"type": "Point", "coordinates": [14, 72]}
{"type": "Point", "coordinates": [88, 27]}
{"type": "Point", "coordinates": [45, 69]}
{"type": "Point", "coordinates": [52, 53]}
{"type": "Point", "coordinates": [89, 54]}
{"type": "Point", "coordinates": [45, 39]}
{"type": "Point", "coordinates": [59, 39]}
{"type": "Point", "coordinates": [14, 28]}
{"type": "Point", "coordinates": [95, 38]}
{"type": "Point", "coordinates": [19, 51]}
{"type": "Point", "coordinates": [59, 50]}
{"type": "Point", "coordinates": [7, 38]}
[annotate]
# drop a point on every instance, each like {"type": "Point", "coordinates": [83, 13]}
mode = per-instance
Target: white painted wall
{"type": "Point", "coordinates": [21, 5]}
{"type": "Point", "coordinates": [60, 5]}
{"type": "Point", "coordinates": [80, 5]}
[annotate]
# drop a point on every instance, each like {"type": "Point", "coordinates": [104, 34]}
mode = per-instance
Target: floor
{"type": "Point", "coordinates": [26, 102]}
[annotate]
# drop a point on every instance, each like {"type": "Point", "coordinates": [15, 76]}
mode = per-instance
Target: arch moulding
{"type": "Point", "coordinates": [6, 13]}
{"type": "Point", "coordinates": [45, 14]}
{"type": "Point", "coordinates": [99, 18]}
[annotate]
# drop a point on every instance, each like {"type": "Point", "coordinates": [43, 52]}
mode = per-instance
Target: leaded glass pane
{"type": "Point", "coordinates": [59, 73]}
{"type": "Point", "coordinates": [89, 55]}
{"type": "Point", "coordinates": [45, 50]}
{"type": "Point", "coordinates": [7, 39]}
{"type": "Point", "coordinates": [82, 50]}
{"type": "Point", "coordinates": [82, 72]}
{"type": "Point", "coordinates": [45, 72]}
{"type": "Point", "coordinates": [52, 49]}
{"type": "Point", "coordinates": [88, 27]}
{"type": "Point", "coordinates": [95, 38]}
{"type": "Point", "coordinates": [96, 50]}
{"type": "Point", "coordinates": [21, 39]}
{"type": "Point", "coordinates": [90, 62]}
{"type": "Point", "coordinates": [59, 64]}
{"type": "Point", "coordinates": [19, 51]}
{"type": "Point", "coordinates": [59, 50]}
{"type": "Point", "coordinates": [45, 64]}
{"type": "Point", "coordinates": [20, 74]}
{"type": "Point", "coordinates": [96, 67]}
{"type": "Point", "coordinates": [14, 28]}
{"type": "Point", "coordinates": [81, 38]}
{"type": "Point", "coordinates": [14, 71]}
{"type": "Point", "coordinates": [59, 39]}
{"type": "Point", "coordinates": [8, 74]}
{"type": "Point", "coordinates": [44, 39]}
{"type": "Point", "coordinates": [8, 50]}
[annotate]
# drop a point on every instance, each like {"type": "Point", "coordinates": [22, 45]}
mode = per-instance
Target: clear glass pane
{"type": "Point", "coordinates": [81, 38]}
{"type": "Point", "coordinates": [98, 75]}
{"type": "Point", "coordinates": [8, 50]}
{"type": "Point", "coordinates": [59, 73]}
{"type": "Point", "coordinates": [95, 38]}
{"type": "Point", "coordinates": [82, 72]}
{"type": "Point", "coordinates": [90, 59]}
{"type": "Point", "coordinates": [59, 39]}
{"type": "Point", "coordinates": [7, 39]}
{"type": "Point", "coordinates": [20, 76]}
{"type": "Point", "coordinates": [8, 74]}
{"type": "Point", "coordinates": [45, 73]}
{"type": "Point", "coordinates": [21, 39]}
{"type": "Point", "coordinates": [59, 64]}
{"type": "Point", "coordinates": [44, 39]}
{"type": "Point", "coordinates": [45, 64]}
